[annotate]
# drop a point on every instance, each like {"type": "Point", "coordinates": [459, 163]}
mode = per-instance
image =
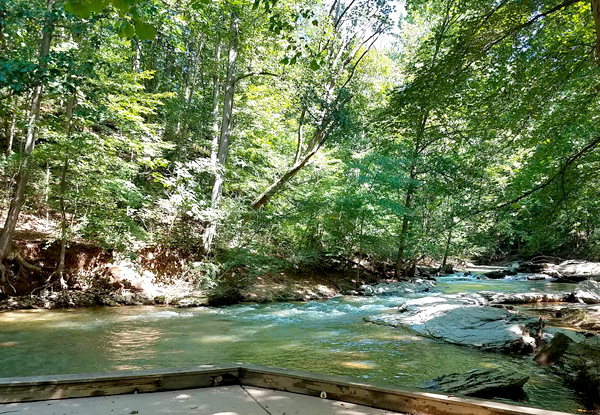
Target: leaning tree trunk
{"type": "Point", "coordinates": [18, 197]}
{"type": "Point", "coordinates": [223, 148]}
{"type": "Point", "coordinates": [318, 140]}
{"type": "Point", "coordinates": [342, 64]}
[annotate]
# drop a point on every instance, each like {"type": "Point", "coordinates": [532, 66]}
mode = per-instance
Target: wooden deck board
{"type": "Point", "coordinates": [229, 400]}
{"type": "Point", "coordinates": [385, 397]}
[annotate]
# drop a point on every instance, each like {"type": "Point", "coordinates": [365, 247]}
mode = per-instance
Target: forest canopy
{"type": "Point", "coordinates": [284, 133]}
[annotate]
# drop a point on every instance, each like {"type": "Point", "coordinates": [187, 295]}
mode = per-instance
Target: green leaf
{"type": "Point", "coordinates": [315, 22]}
{"type": "Point", "coordinates": [126, 30]}
{"type": "Point", "coordinates": [98, 5]}
{"type": "Point", "coordinates": [70, 8]}
{"type": "Point", "coordinates": [77, 8]}
{"type": "Point", "coordinates": [145, 31]}
{"type": "Point", "coordinates": [314, 65]}
{"type": "Point", "coordinates": [122, 5]}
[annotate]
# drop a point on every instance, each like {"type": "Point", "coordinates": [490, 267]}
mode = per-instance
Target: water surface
{"type": "Point", "coordinates": [322, 336]}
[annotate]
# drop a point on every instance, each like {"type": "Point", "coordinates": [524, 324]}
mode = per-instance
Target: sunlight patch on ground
{"type": "Point", "coordinates": [182, 396]}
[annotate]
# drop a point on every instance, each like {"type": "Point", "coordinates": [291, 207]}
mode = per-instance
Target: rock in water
{"type": "Point", "coordinates": [499, 274]}
{"type": "Point", "coordinates": [578, 363]}
{"type": "Point", "coordinates": [577, 270]}
{"type": "Point", "coordinates": [481, 383]}
{"type": "Point", "coordinates": [525, 298]}
{"type": "Point", "coordinates": [398, 288]}
{"type": "Point", "coordinates": [552, 353]}
{"type": "Point", "coordinates": [495, 275]}
{"type": "Point", "coordinates": [464, 321]}
{"type": "Point", "coordinates": [587, 292]}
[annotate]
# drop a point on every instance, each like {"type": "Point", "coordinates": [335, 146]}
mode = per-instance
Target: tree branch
{"type": "Point", "coordinates": [249, 74]}
{"type": "Point", "coordinates": [555, 176]}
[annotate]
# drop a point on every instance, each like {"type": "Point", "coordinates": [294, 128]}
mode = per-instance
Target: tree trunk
{"type": "Point", "coordinates": [214, 147]}
{"type": "Point", "coordinates": [340, 61]}
{"type": "Point", "coordinates": [596, 14]}
{"type": "Point", "coordinates": [47, 193]}
{"type": "Point", "coordinates": [14, 210]}
{"type": "Point", "coordinates": [137, 55]}
{"type": "Point", "coordinates": [447, 249]}
{"type": "Point", "coordinates": [319, 139]}
{"type": "Point", "coordinates": [411, 191]}
{"type": "Point", "coordinates": [10, 134]}
{"type": "Point", "coordinates": [223, 143]}
{"type": "Point", "coordinates": [300, 136]}
{"type": "Point", "coordinates": [63, 188]}
{"type": "Point", "coordinates": [405, 225]}
{"type": "Point", "coordinates": [63, 223]}
{"type": "Point", "coordinates": [227, 109]}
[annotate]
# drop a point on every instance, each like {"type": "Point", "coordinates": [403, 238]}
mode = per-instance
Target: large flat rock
{"type": "Point", "coordinates": [579, 269]}
{"type": "Point", "coordinates": [465, 321]}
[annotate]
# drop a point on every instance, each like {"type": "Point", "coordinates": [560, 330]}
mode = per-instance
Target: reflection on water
{"type": "Point", "coordinates": [133, 345]}
{"type": "Point", "coordinates": [328, 337]}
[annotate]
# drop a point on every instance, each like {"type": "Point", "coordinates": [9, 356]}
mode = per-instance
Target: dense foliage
{"type": "Point", "coordinates": [282, 133]}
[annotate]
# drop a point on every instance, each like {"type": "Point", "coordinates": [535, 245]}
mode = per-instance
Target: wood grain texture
{"type": "Point", "coordinates": [101, 384]}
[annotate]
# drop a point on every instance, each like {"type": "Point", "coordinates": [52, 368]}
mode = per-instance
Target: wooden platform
{"type": "Point", "coordinates": [243, 381]}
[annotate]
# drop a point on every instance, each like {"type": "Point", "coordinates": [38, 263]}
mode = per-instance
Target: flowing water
{"type": "Point", "coordinates": [322, 336]}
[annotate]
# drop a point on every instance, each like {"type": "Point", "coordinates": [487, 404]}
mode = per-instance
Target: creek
{"type": "Point", "coordinates": [322, 336]}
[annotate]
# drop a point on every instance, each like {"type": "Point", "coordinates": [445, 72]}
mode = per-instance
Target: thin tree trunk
{"type": "Point", "coordinates": [223, 147]}
{"type": "Point", "coordinates": [137, 55]}
{"type": "Point", "coordinates": [227, 108]}
{"type": "Point", "coordinates": [214, 147]}
{"type": "Point", "coordinates": [47, 193]}
{"type": "Point", "coordinates": [410, 192]}
{"type": "Point", "coordinates": [447, 249]}
{"type": "Point", "coordinates": [63, 188]}
{"type": "Point", "coordinates": [191, 86]}
{"type": "Point", "coordinates": [16, 203]}
{"type": "Point", "coordinates": [405, 224]}
{"type": "Point", "coordinates": [596, 14]}
{"type": "Point", "coordinates": [10, 134]}
{"type": "Point", "coordinates": [300, 136]}
{"type": "Point", "coordinates": [63, 223]}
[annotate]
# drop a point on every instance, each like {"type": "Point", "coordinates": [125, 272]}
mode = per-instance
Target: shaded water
{"type": "Point", "coordinates": [325, 336]}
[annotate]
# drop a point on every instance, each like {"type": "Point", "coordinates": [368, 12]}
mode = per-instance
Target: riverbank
{"type": "Point", "coordinates": [158, 275]}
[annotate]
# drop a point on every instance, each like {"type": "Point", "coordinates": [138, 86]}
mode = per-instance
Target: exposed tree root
{"type": "Point", "coordinates": [21, 261]}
